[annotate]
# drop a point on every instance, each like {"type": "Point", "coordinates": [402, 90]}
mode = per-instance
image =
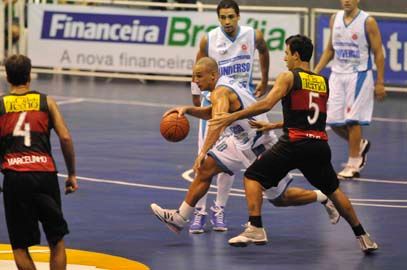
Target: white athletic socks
{"type": "Point", "coordinates": [225, 182]}
{"type": "Point", "coordinates": [321, 197]}
{"type": "Point", "coordinates": [185, 210]}
{"type": "Point", "coordinates": [355, 161]}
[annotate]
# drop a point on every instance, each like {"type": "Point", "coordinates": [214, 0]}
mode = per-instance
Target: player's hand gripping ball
{"type": "Point", "coordinates": [174, 128]}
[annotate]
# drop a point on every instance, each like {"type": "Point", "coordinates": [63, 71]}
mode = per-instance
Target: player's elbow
{"type": "Point", "coordinates": [65, 138]}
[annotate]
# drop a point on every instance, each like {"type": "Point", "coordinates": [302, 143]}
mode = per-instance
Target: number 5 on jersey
{"type": "Point", "coordinates": [312, 105]}
{"type": "Point", "coordinates": [23, 130]}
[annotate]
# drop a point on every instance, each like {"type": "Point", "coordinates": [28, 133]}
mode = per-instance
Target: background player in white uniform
{"type": "Point", "coordinates": [232, 153]}
{"type": "Point", "coordinates": [233, 47]}
{"type": "Point", "coordinates": [354, 34]}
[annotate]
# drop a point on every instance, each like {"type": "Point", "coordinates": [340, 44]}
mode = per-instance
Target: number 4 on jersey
{"type": "Point", "coordinates": [20, 131]}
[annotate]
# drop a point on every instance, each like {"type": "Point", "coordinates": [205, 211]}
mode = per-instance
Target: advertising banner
{"type": "Point", "coordinates": [140, 41]}
{"type": "Point", "coordinates": [394, 38]}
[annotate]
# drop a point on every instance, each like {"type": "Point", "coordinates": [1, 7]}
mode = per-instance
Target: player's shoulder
{"type": "Point", "coordinates": [223, 85]}
{"type": "Point", "coordinates": [370, 19]}
{"type": "Point", "coordinates": [287, 75]}
{"type": "Point", "coordinates": [244, 30]}
{"type": "Point", "coordinates": [213, 31]}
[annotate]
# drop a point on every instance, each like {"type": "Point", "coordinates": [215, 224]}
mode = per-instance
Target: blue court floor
{"type": "Point", "coordinates": [123, 165]}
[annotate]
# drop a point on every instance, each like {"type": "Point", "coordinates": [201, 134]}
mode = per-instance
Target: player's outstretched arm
{"type": "Point", "coordinates": [198, 112]}
{"type": "Point", "coordinates": [265, 126]}
{"type": "Point", "coordinates": [66, 143]}
{"type": "Point", "coordinates": [283, 83]}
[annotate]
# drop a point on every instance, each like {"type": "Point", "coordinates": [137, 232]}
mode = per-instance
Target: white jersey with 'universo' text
{"type": "Point", "coordinates": [351, 45]}
{"type": "Point", "coordinates": [234, 56]}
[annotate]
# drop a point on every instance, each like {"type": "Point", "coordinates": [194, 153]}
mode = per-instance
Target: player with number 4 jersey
{"type": "Point", "coordinates": [24, 133]}
{"type": "Point", "coordinates": [31, 188]}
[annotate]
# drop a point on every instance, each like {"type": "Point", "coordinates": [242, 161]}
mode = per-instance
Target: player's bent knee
{"type": "Point", "coordinates": [279, 202]}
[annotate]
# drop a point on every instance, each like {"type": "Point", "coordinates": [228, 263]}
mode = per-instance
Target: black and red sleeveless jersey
{"type": "Point", "coordinates": [25, 126]}
{"type": "Point", "coordinates": [304, 107]}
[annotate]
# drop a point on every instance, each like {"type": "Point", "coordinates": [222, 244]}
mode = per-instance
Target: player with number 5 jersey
{"type": "Point", "coordinates": [304, 107]}
{"type": "Point", "coordinates": [303, 146]}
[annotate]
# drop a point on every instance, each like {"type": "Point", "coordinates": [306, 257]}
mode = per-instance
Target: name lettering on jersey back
{"type": "Point", "coordinates": [27, 160]}
{"type": "Point", "coordinates": [314, 83]}
{"type": "Point", "coordinates": [29, 102]}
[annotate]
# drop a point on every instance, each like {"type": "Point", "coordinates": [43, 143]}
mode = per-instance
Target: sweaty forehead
{"type": "Point", "coordinates": [199, 68]}
{"type": "Point", "coordinates": [227, 12]}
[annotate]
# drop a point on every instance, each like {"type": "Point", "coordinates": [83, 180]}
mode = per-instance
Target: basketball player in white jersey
{"type": "Point", "coordinates": [232, 151]}
{"type": "Point", "coordinates": [233, 47]}
{"type": "Point", "coordinates": [354, 34]}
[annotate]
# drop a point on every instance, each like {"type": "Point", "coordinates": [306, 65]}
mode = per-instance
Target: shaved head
{"type": "Point", "coordinates": [205, 73]}
{"type": "Point", "coordinates": [209, 64]}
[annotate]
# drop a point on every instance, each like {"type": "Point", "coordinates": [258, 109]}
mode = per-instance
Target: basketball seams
{"type": "Point", "coordinates": [174, 128]}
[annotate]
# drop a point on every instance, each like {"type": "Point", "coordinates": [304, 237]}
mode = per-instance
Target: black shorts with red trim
{"type": "Point", "coordinates": [30, 197]}
{"type": "Point", "coordinates": [312, 157]}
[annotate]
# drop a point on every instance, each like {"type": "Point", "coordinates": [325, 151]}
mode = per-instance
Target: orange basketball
{"type": "Point", "coordinates": [174, 128]}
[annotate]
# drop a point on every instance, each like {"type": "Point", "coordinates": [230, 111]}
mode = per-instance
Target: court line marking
{"type": "Point", "coordinates": [160, 105]}
{"type": "Point", "coordinates": [399, 182]}
{"type": "Point", "coordinates": [70, 101]}
{"type": "Point", "coordinates": [124, 183]}
{"type": "Point", "coordinates": [31, 251]}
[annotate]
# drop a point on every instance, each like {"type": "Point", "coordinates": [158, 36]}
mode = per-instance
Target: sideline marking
{"type": "Point", "coordinates": [77, 260]}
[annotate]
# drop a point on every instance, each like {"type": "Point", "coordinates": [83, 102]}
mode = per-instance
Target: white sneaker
{"type": "Point", "coordinates": [251, 235]}
{"type": "Point", "coordinates": [174, 221]}
{"type": "Point", "coordinates": [366, 243]}
{"type": "Point", "coordinates": [349, 172]}
{"type": "Point", "coordinates": [333, 214]}
{"type": "Point", "coordinates": [364, 148]}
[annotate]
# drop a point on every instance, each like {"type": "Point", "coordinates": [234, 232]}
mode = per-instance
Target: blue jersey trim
{"type": "Point", "coordinates": [251, 86]}
{"type": "Point", "coordinates": [369, 59]}
{"type": "Point", "coordinates": [361, 123]}
{"type": "Point", "coordinates": [359, 82]}
{"type": "Point", "coordinates": [220, 164]}
{"type": "Point", "coordinates": [229, 37]}
{"type": "Point", "coordinates": [205, 102]}
{"type": "Point", "coordinates": [336, 124]}
{"type": "Point", "coordinates": [349, 122]}
{"type": "Point", "coordinates": [347, 25]}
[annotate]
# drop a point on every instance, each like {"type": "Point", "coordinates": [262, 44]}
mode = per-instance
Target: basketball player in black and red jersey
{"type": "Point", "coordinates": [31, 190]}
{"type": "Point", "coordinates": [303, 145]}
